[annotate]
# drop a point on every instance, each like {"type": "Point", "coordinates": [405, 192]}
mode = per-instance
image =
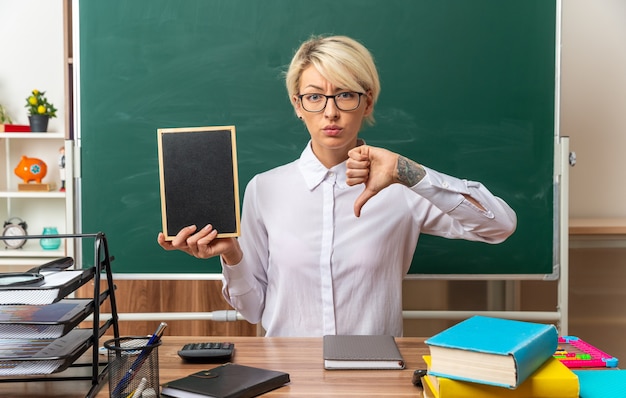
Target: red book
{"type": "Point", "coordinates": [14, 128]}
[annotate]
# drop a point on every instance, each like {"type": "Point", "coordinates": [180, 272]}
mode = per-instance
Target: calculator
{"type": "Point", "coordinates": [207, 352]}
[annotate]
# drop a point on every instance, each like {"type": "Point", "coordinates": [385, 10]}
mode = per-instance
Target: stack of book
{"type": "Point", "coordinates": [493, 357]}
{"type": "Point", "coordinates": [14, 128]}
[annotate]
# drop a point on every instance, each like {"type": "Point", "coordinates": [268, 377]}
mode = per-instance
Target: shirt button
{"type": "Point", "coordinates": [444, 184]}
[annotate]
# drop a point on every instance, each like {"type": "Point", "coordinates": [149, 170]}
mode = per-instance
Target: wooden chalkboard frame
{"type": "Point", "coordinates": [199, 179]}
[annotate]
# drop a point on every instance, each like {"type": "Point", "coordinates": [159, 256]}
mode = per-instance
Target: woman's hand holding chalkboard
{"type": "Point", "coordinates": [203, 244]}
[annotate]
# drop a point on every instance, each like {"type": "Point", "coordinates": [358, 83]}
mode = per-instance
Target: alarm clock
{"type": "Point", "coordinates": [14, 226]}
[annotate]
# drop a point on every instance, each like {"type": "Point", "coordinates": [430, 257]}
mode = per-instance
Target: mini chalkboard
{"type": "Point", "coordinates": [199, 183]}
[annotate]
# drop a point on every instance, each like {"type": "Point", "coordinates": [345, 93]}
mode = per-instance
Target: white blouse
{"type": "Point", "coordinates": [310, 267]}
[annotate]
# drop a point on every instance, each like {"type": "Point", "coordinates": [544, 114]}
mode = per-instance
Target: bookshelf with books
{"type": "Point", "coordinates": [40, 333]}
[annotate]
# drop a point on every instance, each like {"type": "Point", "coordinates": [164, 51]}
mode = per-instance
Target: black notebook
{"type": "Point", "coordinates": [361, 352]}
{"type": "Point", "coordinates": [226, 381]}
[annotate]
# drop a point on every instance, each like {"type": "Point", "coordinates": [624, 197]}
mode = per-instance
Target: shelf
{"type": "Point", "coordinates": [38, 209]}
{"type": "Point", "coordinates": [20, 253]}
{"type": "Point", "coordinates": [31, 254]}
{"type": "Point", "coordinates": [52, 136]}
{"type": "Point", "coordinates": [33, 195]}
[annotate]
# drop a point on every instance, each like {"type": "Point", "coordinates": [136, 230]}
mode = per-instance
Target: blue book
{"type": "Point", "coordinates": [602, 383]}
{"type": "Point", "coordinates": [494, 351]}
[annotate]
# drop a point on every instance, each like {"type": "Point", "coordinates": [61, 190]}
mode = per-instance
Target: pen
{"type": "Point", "coordinates": [128, 377]}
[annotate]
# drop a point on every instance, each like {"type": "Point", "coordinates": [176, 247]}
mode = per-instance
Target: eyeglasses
{"type": "Point", "coordinates": [345, 101]}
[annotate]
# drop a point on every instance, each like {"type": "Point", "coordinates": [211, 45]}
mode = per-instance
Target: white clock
{"type": "Point", "coordinates": [14, 227]}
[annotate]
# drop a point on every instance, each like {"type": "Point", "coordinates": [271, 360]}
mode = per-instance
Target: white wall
{"type": "Point", "coordinates": [32, 56]}
{"type": "Point", "coordinates": [593, 105]}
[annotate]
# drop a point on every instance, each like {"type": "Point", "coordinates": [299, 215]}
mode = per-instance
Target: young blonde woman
{"type": "Point", "coordinates": [327, 239]}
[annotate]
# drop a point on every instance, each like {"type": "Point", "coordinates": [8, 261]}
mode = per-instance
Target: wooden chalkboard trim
{"type": "Point", "coordinates": [199, 187]}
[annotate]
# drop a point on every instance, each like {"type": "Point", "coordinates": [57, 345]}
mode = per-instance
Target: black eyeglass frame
{"type": "Point", "coordinates": [334, 97]}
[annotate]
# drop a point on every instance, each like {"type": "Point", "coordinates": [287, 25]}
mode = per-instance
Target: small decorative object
{"type": "Point", "coordinates": [32, 171]}
{"type": "Point", "coordinates": [62, 168]}
{"type": "Point", "coordinates": [39, 111]}
{"type": "Point", "coordinates": [52, 243]}
{"type": "Point", "coordinates": [14, 226]}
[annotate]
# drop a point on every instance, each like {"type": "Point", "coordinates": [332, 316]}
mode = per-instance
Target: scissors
{"type": "Point", "coordinates": [33, 276]}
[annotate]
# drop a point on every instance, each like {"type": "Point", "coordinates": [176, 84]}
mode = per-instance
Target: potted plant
{"type": "Point", "coordinates": [4, 116]}
{"type": "Point", "coordinates": [39, 111]}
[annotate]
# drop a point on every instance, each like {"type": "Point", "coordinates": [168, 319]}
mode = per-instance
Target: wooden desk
{"type": "Point", "coordinates": [300, 357]}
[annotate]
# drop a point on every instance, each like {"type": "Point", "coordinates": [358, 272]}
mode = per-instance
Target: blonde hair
{"type": "Point", "coordinates": [342, 61]}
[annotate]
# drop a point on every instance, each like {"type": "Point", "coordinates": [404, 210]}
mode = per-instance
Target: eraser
{"type": "Point", "coordinates": [149, 393]}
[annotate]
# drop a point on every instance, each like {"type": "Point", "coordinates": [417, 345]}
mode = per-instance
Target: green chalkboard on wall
{"type": "Point", "coordinates": [468, 88]}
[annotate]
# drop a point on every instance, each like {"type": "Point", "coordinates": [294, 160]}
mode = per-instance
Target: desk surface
{"type": "Point", "coordinates": [300, 357]}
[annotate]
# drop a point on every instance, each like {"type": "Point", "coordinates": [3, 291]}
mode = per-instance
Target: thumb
{"type": "Point", "coordinates": [366, 195]}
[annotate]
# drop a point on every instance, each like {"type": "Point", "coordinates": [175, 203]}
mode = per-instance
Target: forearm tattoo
{"type": "Point", "coordinates": [409, 172]}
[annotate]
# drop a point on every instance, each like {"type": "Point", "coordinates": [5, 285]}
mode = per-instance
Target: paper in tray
{"type": "Point", "coordinates": [43, 321]}
{"type": "Point", "coordinates": [56, 286]}
{"type": "Point", "coordinates": [19, 357]}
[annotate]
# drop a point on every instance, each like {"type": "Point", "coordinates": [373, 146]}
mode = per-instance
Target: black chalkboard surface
{"type": "Point", "coordinates": [199, 182]}
{"type": "Point", "coordinates": [468, 88]}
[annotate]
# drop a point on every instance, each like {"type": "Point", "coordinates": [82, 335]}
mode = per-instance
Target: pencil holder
{"type": "Point", "coordinates": [133, 367]}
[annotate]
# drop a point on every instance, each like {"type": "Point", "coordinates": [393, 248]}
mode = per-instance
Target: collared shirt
{"type": "Point", "coordinates": [310, 267]}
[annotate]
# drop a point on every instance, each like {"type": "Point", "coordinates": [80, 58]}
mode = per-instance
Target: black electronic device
{"type": "Point", "coordinates": [207, 352]}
